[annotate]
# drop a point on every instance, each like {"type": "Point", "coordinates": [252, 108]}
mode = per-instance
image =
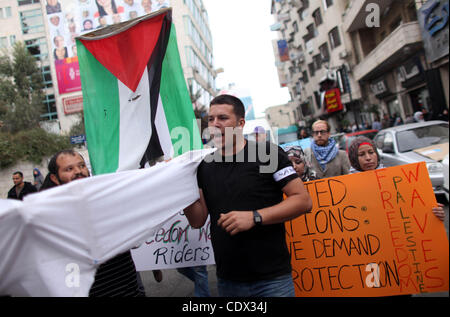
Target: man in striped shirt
{"type": "Point", "coordinates": [117, 276]}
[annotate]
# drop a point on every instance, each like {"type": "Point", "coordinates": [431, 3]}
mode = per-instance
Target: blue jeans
{"type": "Point", "coordinates": [198, 275]}
{"type": "Point", "coordinates": [282, 286]}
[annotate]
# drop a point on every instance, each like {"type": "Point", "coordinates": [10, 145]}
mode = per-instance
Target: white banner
{"type": "Point", "coordinates": [175, 244]}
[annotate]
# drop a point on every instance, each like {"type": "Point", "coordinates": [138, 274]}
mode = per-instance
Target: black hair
{"type": "Point", "coordinates": [18, 172]}
{"type": "Point", "coordinates": [238, 106]}
{"type": "Point", "coordinates": [53, 169]}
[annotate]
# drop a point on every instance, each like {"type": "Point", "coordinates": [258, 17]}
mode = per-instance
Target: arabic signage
{"type": "Point", "coordinates": [333, 100]}
{"type": "Point", "coordinates": [72, 104]}
{"type": "Point", "coordinates": [433, 20]}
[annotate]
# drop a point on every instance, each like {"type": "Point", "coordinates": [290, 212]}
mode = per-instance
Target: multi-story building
{"type": "Point", "coordinates": [372, 50]}
{"type": "Point", "coordinates": [314, 55]}
{"type": "Point", "coordinates": [391, 64]}
{"type": "Point", "coordinates": [49, 27]}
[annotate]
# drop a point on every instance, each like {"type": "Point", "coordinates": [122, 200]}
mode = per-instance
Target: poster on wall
{"type": "Point", "coordinates": [67, 19]}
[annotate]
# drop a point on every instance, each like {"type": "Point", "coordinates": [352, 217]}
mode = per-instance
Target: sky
{"type": "Point", "coordinates": [242, 46]}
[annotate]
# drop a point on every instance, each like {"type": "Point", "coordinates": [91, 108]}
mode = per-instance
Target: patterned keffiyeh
{"type": "Point", "coordinates": [325, 154]}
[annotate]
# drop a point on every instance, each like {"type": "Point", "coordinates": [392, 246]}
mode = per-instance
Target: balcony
{"type": "Point", "coordinates": [395, 48]}
{"type": "Point", "coordinates": [356, 14]}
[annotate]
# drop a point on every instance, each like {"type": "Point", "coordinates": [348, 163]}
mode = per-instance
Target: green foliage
{"type": "Point", "coordinates": [30, 145]}
{"type": "Point", "coordinates": [21, 90]}
{"type": "Point", "coordinates": [21, 103]}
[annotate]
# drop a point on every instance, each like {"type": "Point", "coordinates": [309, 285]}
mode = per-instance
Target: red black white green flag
{"type": "Point", "coordinates": [136, 103]}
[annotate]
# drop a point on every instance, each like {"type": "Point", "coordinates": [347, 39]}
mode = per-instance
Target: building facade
{"type": "Point", "coordinates": [369, 54]}
{"type": "Point", "coordinates": [392, 66]}
{"type": "Point", "coordinates": [314, 56]}
{"type": "Point", "coordinates": [49, 28]}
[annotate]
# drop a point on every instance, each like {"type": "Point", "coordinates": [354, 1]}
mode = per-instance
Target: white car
{"type": "Point", "coordinates": [445, 168]}
{"type": "Point", "coordinates": [416, 142]}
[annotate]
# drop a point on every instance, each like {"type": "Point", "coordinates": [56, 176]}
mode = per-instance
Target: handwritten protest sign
{"type": "Point", "coordinates": [370, 234]}
{"type": "Point", "coordinates": [175, 244]}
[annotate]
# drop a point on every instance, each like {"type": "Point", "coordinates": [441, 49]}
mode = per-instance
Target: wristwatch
{"type": "Point", "coordinates": [257, 218]}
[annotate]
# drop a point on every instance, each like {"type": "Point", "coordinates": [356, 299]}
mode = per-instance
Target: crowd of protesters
{"type": "Point", "coordinates": [247, 207]}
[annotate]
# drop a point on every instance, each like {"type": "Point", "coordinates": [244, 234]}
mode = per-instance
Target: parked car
{"type": "Point", "coordinates": [416, 142]}
{"type": "Point", "coordinates": [345, 139]}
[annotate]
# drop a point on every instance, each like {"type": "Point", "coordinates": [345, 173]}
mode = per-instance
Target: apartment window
{"type": "Point", "coordinates": [38, 48]}
{"type": "Point", "coordinates": [5, 13]}
{"type": "Point", "coordinates": [50, 107]}
{"type": "Point", "coordinates": [12, 39]}
{"type": "Point", "coordinates": [295, 26]}
{"type": "Point", "coordinates": [311, 69]}
{"type": "Point", "coordinates": [327, 3]}
{"type": "Point", "coordinates": [3, 42]}
{"type": "Point", "coordinates": [324, 52]}
{"type": "Point", "coordinates": [32, 21]}
{"type": "Point", "coordinates": [317, 60]}
{"type": "Point", "coordinates": [305, 77]}
{"type": "Point", "coordinates": [311, 33]}
{"type": "Point", "coordinates": [335, 40]}
{"type": "Point", "coordinates": [317, 17]}
{"type": "Point", "coordinates": [25, 2]}
{"type": "Point", "coordinates": [47, 77]}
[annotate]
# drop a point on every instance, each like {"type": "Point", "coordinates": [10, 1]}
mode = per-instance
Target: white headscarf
{"type": "Point", "coordinates": [417, 116]}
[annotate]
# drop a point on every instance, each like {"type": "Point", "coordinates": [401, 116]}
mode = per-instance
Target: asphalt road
{"type": "Point", "coordinates": [175, 284]}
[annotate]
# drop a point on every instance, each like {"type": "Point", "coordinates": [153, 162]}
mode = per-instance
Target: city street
{"type": "Point", "coordinates": [175, 284]}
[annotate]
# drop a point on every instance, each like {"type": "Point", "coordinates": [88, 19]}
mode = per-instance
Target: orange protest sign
{"type": "Point", "coordinates": [370, 234]}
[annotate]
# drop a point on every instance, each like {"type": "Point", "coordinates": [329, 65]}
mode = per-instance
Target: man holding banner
{"type": "Point", "coordinates": [244, 197]}
{"type": "Point", "coordinates": [117, 276]}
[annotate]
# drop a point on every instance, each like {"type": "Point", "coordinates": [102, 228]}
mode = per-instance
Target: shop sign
{"type": "Point", "coordinates": [433, 20]}
{"type": "Point", "coordinates": [379, 88]}
{"type": "Point", "coordinates": [72, 104]}
{"type": "Point", "coordinates": [333, 100]}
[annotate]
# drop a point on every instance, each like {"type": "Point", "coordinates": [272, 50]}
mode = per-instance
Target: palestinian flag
{"type": "Point", "coordinates": [137, 106]}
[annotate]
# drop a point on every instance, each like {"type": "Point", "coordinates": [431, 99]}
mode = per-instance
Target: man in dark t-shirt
{"type": "Point", "coordinates": [241, 187]}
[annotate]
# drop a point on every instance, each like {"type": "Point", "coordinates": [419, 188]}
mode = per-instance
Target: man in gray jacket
{"type": "Point", "coordinates": [325, 157]}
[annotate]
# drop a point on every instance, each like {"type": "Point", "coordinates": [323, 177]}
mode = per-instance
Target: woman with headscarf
{"type": "Point", "coordinates": [300, 164]}
{"type": "Point", "coordinates": [363, 156]}
{"type": "Point", "coordinates": [38, 178]}
{"type": "Point", "coordinates": [418, 116]}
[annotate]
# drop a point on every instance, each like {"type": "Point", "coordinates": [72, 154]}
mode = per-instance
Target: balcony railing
{"type": "Point", "coordinates": [390, 50]}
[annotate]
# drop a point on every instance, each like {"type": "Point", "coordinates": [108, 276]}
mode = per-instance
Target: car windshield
{"type": "Point", "coordinates": [422, 137]}
{"type": "Point", "coordinates": [369, 135]}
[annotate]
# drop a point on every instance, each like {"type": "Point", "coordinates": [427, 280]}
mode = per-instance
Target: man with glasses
{"type": "Point", "coordinates": [324, 156]}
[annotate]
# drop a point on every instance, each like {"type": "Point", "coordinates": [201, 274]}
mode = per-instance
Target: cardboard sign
{"type": "Point", "coordinates": [175, 244]}
{"type": "Point", "coordinates": [436, 152]}
{"type": "Point", "coordinates": [370, 234]}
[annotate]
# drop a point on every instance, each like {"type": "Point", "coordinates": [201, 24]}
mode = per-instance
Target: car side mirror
{"type": "Point", "coordinates": [388, 148]}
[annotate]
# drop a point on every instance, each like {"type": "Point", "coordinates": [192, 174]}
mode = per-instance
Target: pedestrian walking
{"type": "Point", "coordinates": [38, 178]}
{"type": "Point", "coordinates": [244, 198]}
{"type": "Point", "coordinates": [324, 156]}
{"type": "Point", "coordinates": [20, 188]}
{"type": "Point", "coordinates": [198, 275]}
{"type": "Point", "coordinates": [300, 164]}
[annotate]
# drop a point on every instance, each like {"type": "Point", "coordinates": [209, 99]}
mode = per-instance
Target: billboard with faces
{"type": "Point", "coordinates": [68, 19]}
